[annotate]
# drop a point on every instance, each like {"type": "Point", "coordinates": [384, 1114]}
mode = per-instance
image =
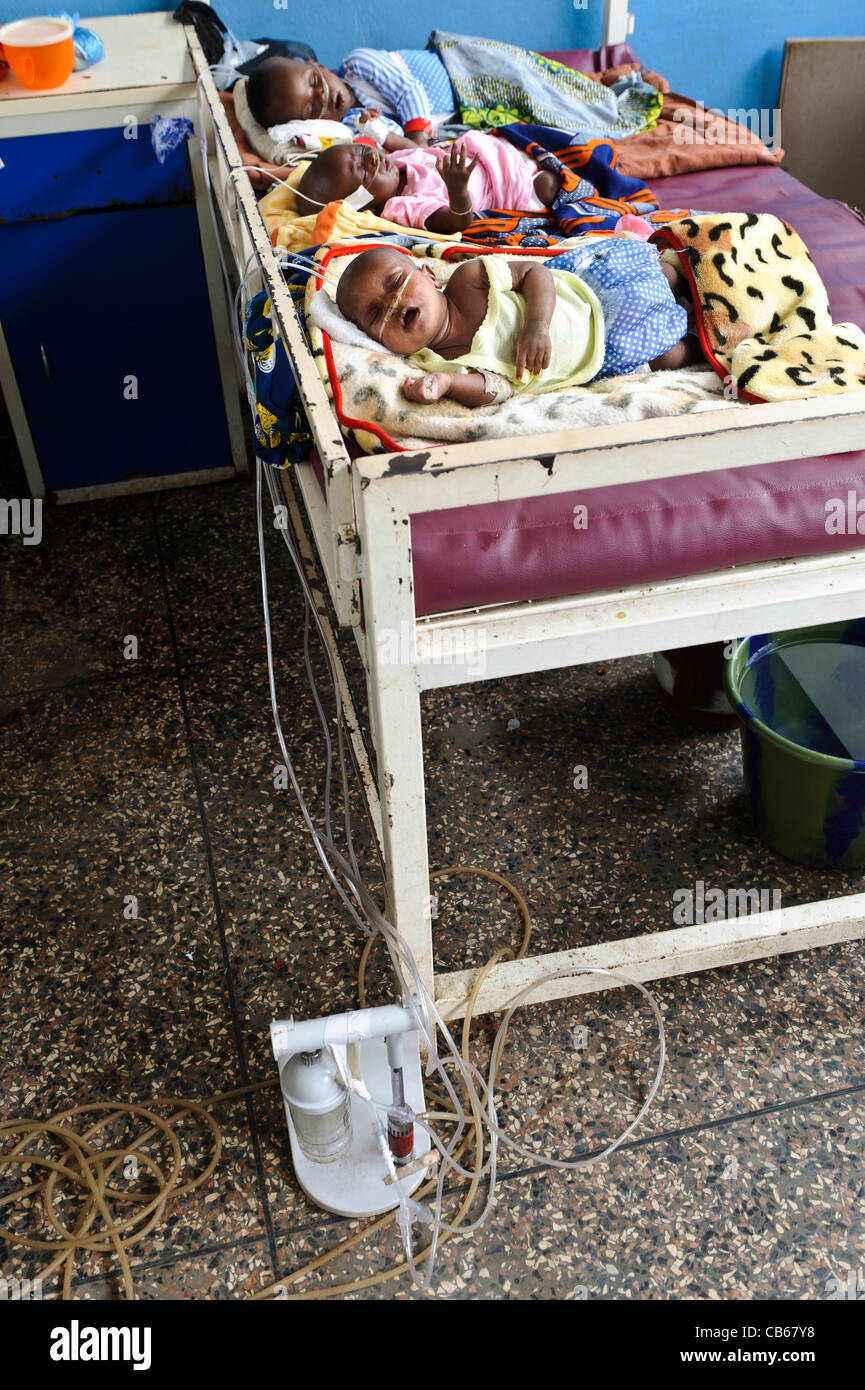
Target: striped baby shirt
{"type": "Point", "coordinates": [410, 87]}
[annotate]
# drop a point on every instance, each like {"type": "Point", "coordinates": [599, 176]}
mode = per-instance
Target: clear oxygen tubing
{"type": "Point", "coordinates": [395, 301]}
{"type": "Point", "coordinates": [400, 954]}
{"type": "Point", "coordinates": [211, 201]}
{"type": "Point", "coordinates": [482, 1106]}
{"type": "Point", "coordinates": [309, 604]}
{"type": "Point", "coordinates": [239, 303]}
{"type": "Point", "coordinates": [325, 88]}
{"type": "Point", "coordinates": [347, 871]}
{"type": "Point", "coordinates": [362, 909]}
{"type": "Point", "coordinates": [359, 199]}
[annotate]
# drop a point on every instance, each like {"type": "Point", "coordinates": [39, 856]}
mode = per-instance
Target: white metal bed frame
{"type": "Point", "coordinates": [362, 537]}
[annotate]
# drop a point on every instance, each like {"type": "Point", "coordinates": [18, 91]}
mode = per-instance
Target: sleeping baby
{"type": "Point", "coordinates": [434, 188]}
{"type": "Point", "coordinates": [500, 327]}
{"type": "Point", "coordinates": [411, 85]}
{"type": "Point", "coordinates": [299, 89]}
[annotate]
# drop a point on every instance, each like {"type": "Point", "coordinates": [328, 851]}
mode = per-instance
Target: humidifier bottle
{"type": "Point", "coordinates": [318, 1104]}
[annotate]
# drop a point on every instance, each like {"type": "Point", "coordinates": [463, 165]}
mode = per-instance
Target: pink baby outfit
{"type": "Point", "coordinates": [504, 178]}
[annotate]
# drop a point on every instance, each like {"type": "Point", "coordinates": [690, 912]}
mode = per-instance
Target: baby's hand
{"type": "Point", "coordinates": [455, 171]}
{"type": "Point", "coordinates": [370, 114]}
{"type": "Point", "coordinates": [423, 389]}
{"type": "Point", "coordinates": [534, 350]}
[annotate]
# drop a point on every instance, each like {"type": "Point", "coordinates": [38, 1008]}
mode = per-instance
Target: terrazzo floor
{"type": "Point", "coordinates": [160, 904]}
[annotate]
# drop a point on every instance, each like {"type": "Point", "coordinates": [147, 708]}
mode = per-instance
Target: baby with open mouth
{"type": "Point", "coordinates": [501, 326]}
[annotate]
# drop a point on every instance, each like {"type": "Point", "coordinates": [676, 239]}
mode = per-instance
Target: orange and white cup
{"type": "Point", "coordinates": [40, 52]}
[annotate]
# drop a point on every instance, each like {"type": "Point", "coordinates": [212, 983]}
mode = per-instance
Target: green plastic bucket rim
{"type": "Point", "coordinates": [833, 635]}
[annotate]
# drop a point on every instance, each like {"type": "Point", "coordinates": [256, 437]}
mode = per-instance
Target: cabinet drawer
{"type": "Point", "coordinates": [108, 323]}
{"type": "Point", "coordinates": [53, 175]}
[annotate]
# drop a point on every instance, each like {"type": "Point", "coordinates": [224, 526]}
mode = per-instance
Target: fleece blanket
{"type": "Point", "coordinates": [365, 387]}
{"type": "Point", "coordinates": [595, 194]}
{"type": "Point", "coordinates": [688, 137]}
{"type": "Point", "coordinates": [496, 83]}
{"type": "Point", "coordinates": [763, 318]}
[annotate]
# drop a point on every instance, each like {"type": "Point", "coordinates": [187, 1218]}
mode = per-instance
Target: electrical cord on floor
{"type": "Point", "coordinates": [85, 1171]}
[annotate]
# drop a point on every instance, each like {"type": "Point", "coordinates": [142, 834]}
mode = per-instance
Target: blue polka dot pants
{"type": "Point", "coordinates": [641, 317]}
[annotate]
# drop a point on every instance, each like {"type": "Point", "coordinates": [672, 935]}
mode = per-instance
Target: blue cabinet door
{"type": "Point", "coordinates": [45, 175]}
{"type": "Point", "coordinates": [108, 325]}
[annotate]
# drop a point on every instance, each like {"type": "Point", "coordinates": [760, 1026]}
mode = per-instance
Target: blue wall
{"type": "Point", "coordinates": [728, 54]}
{"type": "Point", "coordinates": [333, 27]}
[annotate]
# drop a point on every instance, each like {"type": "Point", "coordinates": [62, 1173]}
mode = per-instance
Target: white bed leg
{"type": "Point", "coordinates": [399, 754]}
{"type": "Point", "coordinates": [393, 686]}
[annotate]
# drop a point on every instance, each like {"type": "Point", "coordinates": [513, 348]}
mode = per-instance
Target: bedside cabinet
{"type": "Point", "coordinates": [115, 355]}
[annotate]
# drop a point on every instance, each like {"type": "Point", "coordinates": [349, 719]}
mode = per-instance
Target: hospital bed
{"type": "Point", "coordinates": [707, 527]}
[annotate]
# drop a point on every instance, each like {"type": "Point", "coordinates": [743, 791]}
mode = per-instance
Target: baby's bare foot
{"type": "Point", "coordinates": [423, 389]}
{"type": "Point", "coordinates": [548, 186]}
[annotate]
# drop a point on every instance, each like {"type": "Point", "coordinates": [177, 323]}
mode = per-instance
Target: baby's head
{"type": "Point", "coordinates": [338, 171]}
{"type": "Point", "coordinates": [296, 89]}
{"type": "Point", "coordinates": [393, 299]}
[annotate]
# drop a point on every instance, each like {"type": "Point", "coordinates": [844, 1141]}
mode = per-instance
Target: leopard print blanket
{"type": "Point", "coordinates": [763, 320]}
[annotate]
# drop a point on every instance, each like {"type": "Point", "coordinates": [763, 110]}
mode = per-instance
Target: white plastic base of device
{"type": "Point", "coordinates": [354, 1184]}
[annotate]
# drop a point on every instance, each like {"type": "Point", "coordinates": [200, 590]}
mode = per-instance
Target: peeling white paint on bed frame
{"type": "Point", "coordinates": [374, 501]}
